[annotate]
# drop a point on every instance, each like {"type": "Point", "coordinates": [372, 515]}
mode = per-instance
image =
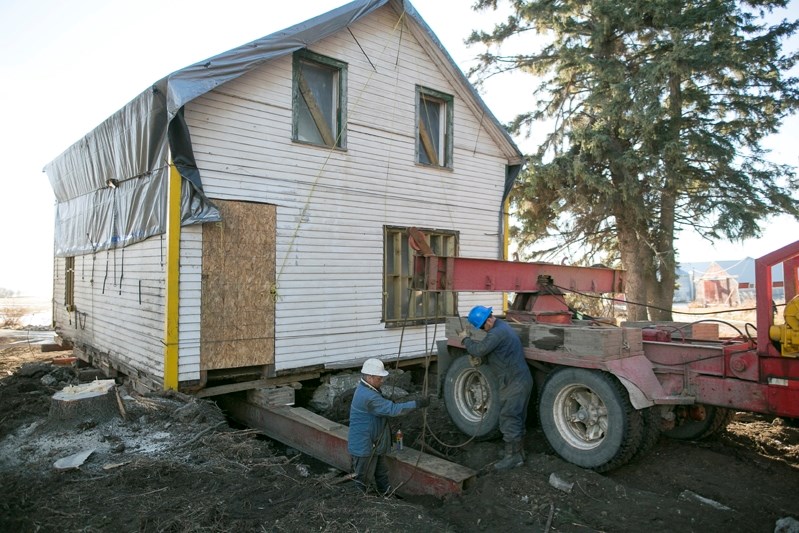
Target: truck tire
{"type": "Point", "coordinates": [588, 420]}
{"type": "Point", "coordinates": [651, 431]}
{"type": "Point", "coordinates": [471, 395]}
{"type": "Point", "coordinates": [713, 420]}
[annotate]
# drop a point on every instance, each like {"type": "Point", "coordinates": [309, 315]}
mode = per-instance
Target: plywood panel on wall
{"type": "Point", "coordinates": [238, 273]}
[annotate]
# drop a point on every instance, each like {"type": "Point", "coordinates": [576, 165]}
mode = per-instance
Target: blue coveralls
{"type": "Point", "coordinates": [369, 437]}
{"type": "Point", "coordinates": [502, 349]}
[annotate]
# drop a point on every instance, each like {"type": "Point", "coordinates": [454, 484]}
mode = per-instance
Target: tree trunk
{"type": "Point", "coordinates": [633, 262]}
{"type": "Point", "coordinates": [666, 264]}
{"type": "Point", "coordinates": [95, 401]}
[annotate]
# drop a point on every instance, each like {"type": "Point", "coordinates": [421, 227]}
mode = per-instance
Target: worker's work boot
{"type": "Point", "coordinates": [513, 456]}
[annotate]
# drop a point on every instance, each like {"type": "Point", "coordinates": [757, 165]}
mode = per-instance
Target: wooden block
{"type": "Point", "coordinates": [53, 347]}
{"type": "Point", "coordinates": [590, 341]}
{"type": "Point", "coordinates": [582, 340]}
{"type": "Point", "coordinates": [633, 340]}
{"type": "Point", "coordinates": [271, 396]}
{"type": "Point", "coordinates": [707, 331]}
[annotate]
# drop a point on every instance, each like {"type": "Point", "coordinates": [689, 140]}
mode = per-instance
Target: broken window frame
{"type": "Point", "coordinates": [398, 275]}
{"type": "Point", "coordinates": [434, 148]}
{"type": "Point", "coordinates": [330, 125]}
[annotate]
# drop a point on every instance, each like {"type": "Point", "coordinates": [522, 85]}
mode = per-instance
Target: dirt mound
{"type": "Point", "coordinates": [175, 463]}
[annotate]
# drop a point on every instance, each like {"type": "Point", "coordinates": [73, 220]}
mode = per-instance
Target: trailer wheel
{"type": "Point", "coordinates": [588, 420]}
{"type": "Point", "coordinates": [651, 431]}
{"type": "Point", "coordinates": [471, 395]}
{"type": "Point", "coordinates": [695, 422]}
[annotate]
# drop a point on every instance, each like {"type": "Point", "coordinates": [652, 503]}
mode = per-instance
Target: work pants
{"type": "Point", "coordinates": [373, 466]}
{"type": "Point", "coordinates": [514, 397]}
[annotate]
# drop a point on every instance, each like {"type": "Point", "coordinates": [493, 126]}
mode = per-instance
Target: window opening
{"type": "Point", "coordinates": [319, 100]}
{"type": "Point", "coordinates": [434, 127]}
{"type": "Point", "coordinates": [420, 306]}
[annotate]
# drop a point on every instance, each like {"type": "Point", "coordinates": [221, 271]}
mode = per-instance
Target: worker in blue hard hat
{"type": "Point", "coordinates": [369, 438]}
{"type": "Point", "coordinates": [502, 350]}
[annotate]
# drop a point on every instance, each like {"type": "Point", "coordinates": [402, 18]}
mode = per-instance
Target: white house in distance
{"type": "Point", "coordinates": [294, 165]}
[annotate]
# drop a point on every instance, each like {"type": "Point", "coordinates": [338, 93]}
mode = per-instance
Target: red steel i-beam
{"type": "Point", "coordinates": [467, 274]}
{"type": "Point", "coordinates": [410, 471]}
{"type": "Point", "coordinates": [438, 273]}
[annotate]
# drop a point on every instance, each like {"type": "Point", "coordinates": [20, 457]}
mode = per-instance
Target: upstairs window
{"type": "Point", "coordinates": [319, 100]}
{"type": "Point", "coordinates": [434, 128]}
{"type": "Point", "coordinates": [401, 305]}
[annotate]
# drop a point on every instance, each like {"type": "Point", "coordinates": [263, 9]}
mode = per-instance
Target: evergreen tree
{"type": "Point", "coordinates": [659, 111]}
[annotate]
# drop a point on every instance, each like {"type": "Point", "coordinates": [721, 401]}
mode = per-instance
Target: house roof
{"type": "Point", "coordinates": [195, 80]}
{"type": "Point", "coordinates": [742, 270]}
{"type": "Point", "coordinates": [130, 148]}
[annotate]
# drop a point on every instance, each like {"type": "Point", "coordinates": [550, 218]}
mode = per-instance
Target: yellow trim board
{"type": "Point", "coordinates": [172, 294]}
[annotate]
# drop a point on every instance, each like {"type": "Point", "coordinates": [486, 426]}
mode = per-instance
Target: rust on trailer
{"type": "Point", "coordinates": [411, 471]}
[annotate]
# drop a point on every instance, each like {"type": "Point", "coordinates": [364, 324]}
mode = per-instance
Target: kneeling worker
{"type": "Point", "coordinates": [369, 435]}
{"type": "Point", "coordinates": [502, 350]}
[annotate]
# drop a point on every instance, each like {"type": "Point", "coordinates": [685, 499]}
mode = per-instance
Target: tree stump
{"type": "Point", "coordinates": [96, 401]}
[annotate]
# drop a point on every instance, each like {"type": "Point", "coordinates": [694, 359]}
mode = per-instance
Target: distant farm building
{"type": "Point", "coordinates": [721, 283]}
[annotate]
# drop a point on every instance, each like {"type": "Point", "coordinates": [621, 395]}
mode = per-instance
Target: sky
{"type": "Point", "coordinates": [67, 66]}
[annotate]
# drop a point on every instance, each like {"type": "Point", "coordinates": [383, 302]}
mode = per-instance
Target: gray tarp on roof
{"type": "Point", "coordinates": [132, 147]}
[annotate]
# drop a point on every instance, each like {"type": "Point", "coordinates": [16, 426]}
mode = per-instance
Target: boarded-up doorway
{"type": "Point", "coordinates": [238, 297]}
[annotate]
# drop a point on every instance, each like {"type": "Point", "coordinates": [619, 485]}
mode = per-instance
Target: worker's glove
{"type": "Point", "coordinates": [421, 403]}
{"type": "Point", "coordinates": [475, 361]}
{"type": "Point", "coordinates": [463, 334]}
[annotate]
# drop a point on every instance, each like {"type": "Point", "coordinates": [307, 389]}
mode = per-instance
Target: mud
{"type": "Point", "coordinates": [177, 464]}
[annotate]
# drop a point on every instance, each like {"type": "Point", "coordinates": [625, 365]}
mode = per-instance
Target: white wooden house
{"type": "Point", "coordinates": [296, 162]}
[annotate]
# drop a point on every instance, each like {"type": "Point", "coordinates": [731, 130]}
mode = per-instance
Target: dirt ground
{"type": "Point", "coordinates": [175, 464]}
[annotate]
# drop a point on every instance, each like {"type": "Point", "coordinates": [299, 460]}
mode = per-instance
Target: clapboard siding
{"type": "Point", "coordinates": [118, 304]}
{"type": "Point", "coordinates": [332, 205]}
{"type": "Point", "coordinates": [189, 309]}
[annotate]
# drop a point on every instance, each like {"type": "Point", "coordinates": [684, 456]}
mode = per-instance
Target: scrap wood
{"type": "Point", "coordinates": [200, 435]}
{"type": "Point", "coordinates": [111, 466]}
{"type": "Point", "coordinates": [550, 517]}
{"type": "Point", "coordinates": [122, 411]}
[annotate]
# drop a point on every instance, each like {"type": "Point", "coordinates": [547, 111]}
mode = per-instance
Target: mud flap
{"type": "Point", "coordinates": [444, 361]}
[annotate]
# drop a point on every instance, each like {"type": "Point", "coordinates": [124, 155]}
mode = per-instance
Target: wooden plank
{"type": "Point", "coordinates": [53, 347]}
{"type": "Point", "coordinates": [232, 387]}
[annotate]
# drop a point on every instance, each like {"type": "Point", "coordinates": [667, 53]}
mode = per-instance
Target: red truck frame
{"type": "Point", "coordinates": [600, 412]}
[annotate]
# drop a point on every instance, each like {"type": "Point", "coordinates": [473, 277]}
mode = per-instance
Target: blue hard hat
{"type": "Point", "coordinates": [478, 315]}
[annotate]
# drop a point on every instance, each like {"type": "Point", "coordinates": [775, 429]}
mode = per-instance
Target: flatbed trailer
{"type": "Point", "coordinates": [607, 401]}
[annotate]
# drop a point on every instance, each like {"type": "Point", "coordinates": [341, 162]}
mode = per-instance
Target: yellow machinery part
{"type": "Point", "coordinates": [787, 334]}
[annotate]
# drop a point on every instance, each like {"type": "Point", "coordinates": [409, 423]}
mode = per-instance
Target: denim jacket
{"type": "Point", "coordinates": [369, 421]}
